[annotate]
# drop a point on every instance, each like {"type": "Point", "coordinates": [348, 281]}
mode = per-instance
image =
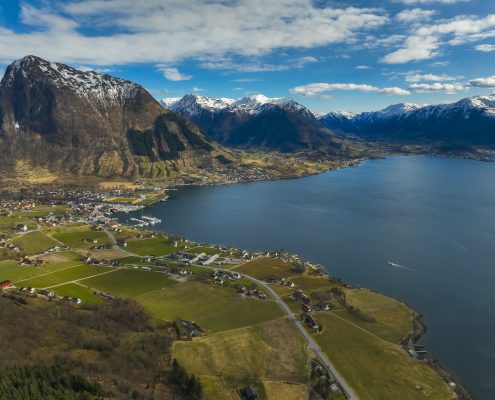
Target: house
{"type": "Point", "coordinates": [289, 284]}
{"type": "Point", "coordinates": [22, 228]}
{"type": "Point", "coordinates": [236, 276]}
{"type": "Point", "coordinates": [6, 283]}
{"type": "Point", "coordinates": [306, 308]}
{"type": "Point", "coordinates": [325, 307]}
{"type": "Point", "coordinates": [249, 393]}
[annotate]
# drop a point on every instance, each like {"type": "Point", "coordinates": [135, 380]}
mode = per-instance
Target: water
{"type": "Point", "coordinates": [433, 217]}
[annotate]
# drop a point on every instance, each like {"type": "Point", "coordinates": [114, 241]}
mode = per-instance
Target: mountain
{"type": "Point", "coordinates": [68, 121]}
{"type": "Point", "coordinates": [470, 121]}
{"type": "Point", "coordinates": [274, 124]}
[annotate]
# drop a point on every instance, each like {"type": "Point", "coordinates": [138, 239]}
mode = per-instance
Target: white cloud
{"type": "Point", "coordinates": [86, 68]}
{"type": "Point", "coordinates": [321, 89]}
{"type": "Point", "coordinates": [488, 82]}
{"type": "Point", "coordinates": [413, 78]}
{"type": "Point", "coordinates": [486, 48]}
{"type": "Point", "coordinates": [170, 31]}
{"type": "Point", "coordinates": [436, 87]}
{"type": "Point", "coordinates": [198, 89]}
{"type": "Point", "coordinates": [363, 67]}
{"type": "Point", "coordinates": [173, 74]}
{"type": "Point", "coordinates": [415, 15]}
{"type": "Point", "coordinates": [426, 41]}
{"type": "Point", "coordinates": [411, 2]}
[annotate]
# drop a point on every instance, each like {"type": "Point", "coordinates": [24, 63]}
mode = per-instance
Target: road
{"type": "Point", "coordinates": [349, 392]}
{"type": "Point", "coordinates": [312, 345]}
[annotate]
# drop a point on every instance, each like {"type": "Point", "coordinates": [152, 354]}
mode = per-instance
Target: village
{"type": "Point", "coordinates": [76, 251]}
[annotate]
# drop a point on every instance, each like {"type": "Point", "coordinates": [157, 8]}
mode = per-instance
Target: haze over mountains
{"type": "Point", "coordinates": [73, 122]}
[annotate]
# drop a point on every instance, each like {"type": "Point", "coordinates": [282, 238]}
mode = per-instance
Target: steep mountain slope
{"type": "Point", "coordinates": [73, 122]}
{"type": "Point", "coordinates": [257, 122]}
{"type": "Point", "coordinates": [470, 121]}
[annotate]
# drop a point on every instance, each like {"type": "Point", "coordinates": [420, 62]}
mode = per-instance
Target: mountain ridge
{"type": "Point", "coordinates": [76, 122]}
{"type": "Point", "coordinates": [259, 122]}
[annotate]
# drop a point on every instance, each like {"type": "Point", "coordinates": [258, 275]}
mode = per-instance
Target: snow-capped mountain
{"type": "Point", "coordinates": [80, 122]}
{"type": "Point", "coordinates": [470, 120]}
{"type": "Point", "coordinates": [256, 121]}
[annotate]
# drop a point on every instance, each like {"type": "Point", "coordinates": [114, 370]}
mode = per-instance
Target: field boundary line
{"type": "Point", "coordinates": [49, 273]}
{"type": "Point", "coordinates": [82, 279]}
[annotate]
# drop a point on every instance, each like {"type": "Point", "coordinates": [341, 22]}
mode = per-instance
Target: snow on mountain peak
{"type": "Point", "coordinates": [401, 108]}
{"type": "Point", "coordinates": [192, 104]}
{"type": "Point", "coordinates": [88, 84]}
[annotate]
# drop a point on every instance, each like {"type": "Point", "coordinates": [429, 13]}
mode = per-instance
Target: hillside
{"type": "Point", "coordinates": [258, 122]}
{"type": "Point", "coordinates": [468, 122]}
{"type": "Point", "coordinates": [61, 120]}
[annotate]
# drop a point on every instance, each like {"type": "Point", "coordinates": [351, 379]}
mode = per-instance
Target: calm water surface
{"type": "Point", "coordinates": [435, 216]}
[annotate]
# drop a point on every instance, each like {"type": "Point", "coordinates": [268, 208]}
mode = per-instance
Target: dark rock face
{"type": "Point", "coordinates": [470, 121]}
{"type": "Point", "coordinates": [258, 123]}
{"type": "Point", "coordinates": [69, 121]}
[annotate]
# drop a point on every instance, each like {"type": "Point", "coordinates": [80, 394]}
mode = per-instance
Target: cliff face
{"type": "Point", "coordinates": [72, 122]}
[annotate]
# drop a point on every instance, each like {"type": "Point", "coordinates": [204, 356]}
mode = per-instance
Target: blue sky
{"type": "Point", "coordinates": [328, 55]}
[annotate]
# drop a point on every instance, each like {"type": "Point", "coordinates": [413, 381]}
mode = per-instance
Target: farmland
{"type": "Point", "coordinates": [34, 243]}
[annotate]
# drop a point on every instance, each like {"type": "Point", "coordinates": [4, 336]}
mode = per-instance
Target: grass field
{"type": "Point", "coordinates": [130, 282]}
{"type": "Point", "coordinates": [13, 271]}
{"type": "Point", "coordinates": [34, 243]}
{"type": "Point", "coordinates": [42, 211]}
{"type": "Point", "coordinates": [393, 318]}
{"type": "Point", "coordinates": [272, 351]}
{"type": "Point", "coordinates": [207, 250]}
{"type": "Point", "coordinates": [63, 275]}
{"type": "Point", "coordinates": [8, 225]}
{"type": "Point", "coordinates": [74, 237]}
{"type": "Point", "coordinates": [78, 291]}
{"type": "Point", "coordinates": [214, 308]}
{"type": "Point", "coordinates": [377, 369]}
{"type": "Point", "coordinates": [153, 246]}
{"type": "Point", "coordinates": [262, 268]}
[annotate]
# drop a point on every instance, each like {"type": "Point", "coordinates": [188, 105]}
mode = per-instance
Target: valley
{"type": "Point", "coordinates": [232, 331]}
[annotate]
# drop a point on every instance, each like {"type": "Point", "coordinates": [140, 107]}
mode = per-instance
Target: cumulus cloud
{"type": "Point", "coordinates": [426, 41]}
{"type": "Point", "coordinates": [486, 48]}
{"type": "Point", "coordinates": [170, 31]}
{"type": "Point", "coordinates": [411, 2]}
{"type": "Point", "coordinates": [413, 78]}
{"type": "Point", "coordinates": [415, 15]}
{"type": "Point", "coordinates": [173, 74]}
{"type": "Point", "coordinates": [321, 89]}
{"type": "Point", "coordinates": [488, 82]}
{"type": "Point", "coordinates": [436, 87]}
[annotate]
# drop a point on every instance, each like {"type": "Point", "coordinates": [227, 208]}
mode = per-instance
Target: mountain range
{"type": "Point", "coordinates": [68, 121]}
{"type": "Point", "coordinates": [259, 122]}
{"type": "Point", "coordinates": [470, 121]}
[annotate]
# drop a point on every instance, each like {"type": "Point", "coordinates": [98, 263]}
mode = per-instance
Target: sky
{"type": "Point", "coordinates": [355, 55]}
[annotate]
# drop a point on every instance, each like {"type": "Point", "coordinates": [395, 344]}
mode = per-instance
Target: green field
{"type": "Point", "coordinates": [34, 243]}
{"type": "Point", "coordinates": [78, 291]}
{"type": "Point", "coordinates": [130, 282]}
{"type": "Point", "coordinates": [42, 211]}
{"type": "Point", "coordinates": [13, 271]}
{"type": "Point", "coordinates": [64, 275]}
{"type": "Point", "coordinates": [393, 318]}
{"type": "Point", "coordinates": [207, 250]}
{"type": "Point", "coordinates": [8, 225]}
{"type": "Point", "coordinates": [152, 246]}
{"type": "Point", "coordinates": [214, 308]}
{"type": "Point", "coordinates": [272, 350]}
{"type": "Point", "coordinates": [74, 237]}
{"type": "Point", "coordinates": [375, 368]}
{"type": "Point", "coordinates": [262, 268]}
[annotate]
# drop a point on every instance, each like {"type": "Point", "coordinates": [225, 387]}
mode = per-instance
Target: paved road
{"type": "Point", "coordinates": [349, 392]}
{"type": "Point", "coordinates": [315, 347]}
